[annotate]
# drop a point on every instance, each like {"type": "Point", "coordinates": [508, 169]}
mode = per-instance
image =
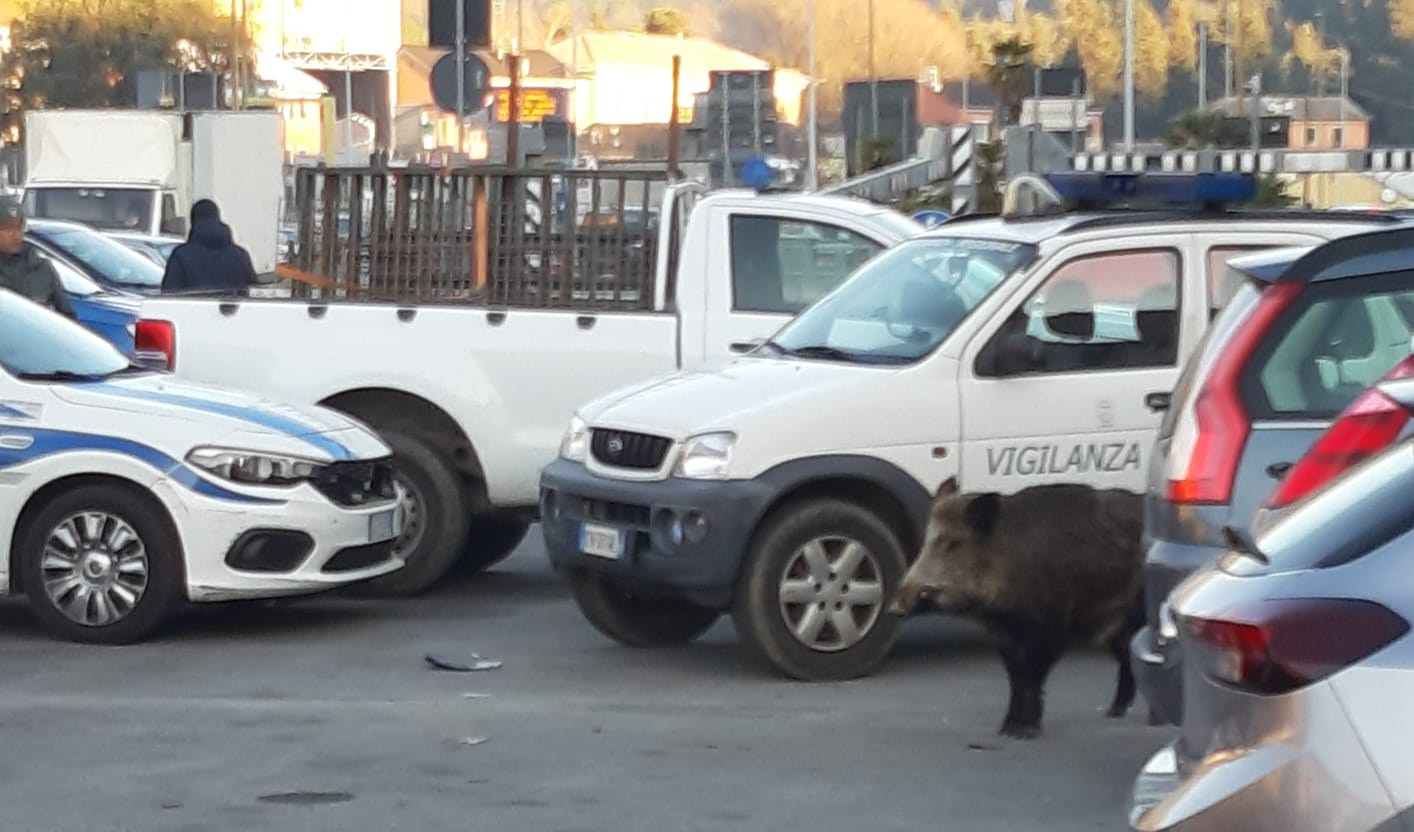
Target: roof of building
{"type": "Point", "coordinates": [641, 48]}
{"type": "Point", "coordinates": [1298, 107]}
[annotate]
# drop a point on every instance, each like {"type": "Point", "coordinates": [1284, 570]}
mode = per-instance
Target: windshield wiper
{"type": "Point", "coordinates": [131, 370]}
{"type": "Point", "coordinates": [61, 375]}
{"type": "Point", "coordinates": [824, 351]}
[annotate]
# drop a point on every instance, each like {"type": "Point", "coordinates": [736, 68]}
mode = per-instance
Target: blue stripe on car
{"type": "Point", "coordinates": [50, 442]}
{"type": "Point", "coordinates": [265, 418]}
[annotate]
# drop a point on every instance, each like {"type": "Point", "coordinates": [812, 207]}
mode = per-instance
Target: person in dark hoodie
{"type": "Point", "coordinates": [23, 269]}
{"type": "Point", "coordinates": [209, 261]}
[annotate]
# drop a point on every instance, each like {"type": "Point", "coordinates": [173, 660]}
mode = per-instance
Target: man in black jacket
{"type": "Point", "coordinates": [209, 261]}
{"type": "Point", "coordinates": [23, 269]}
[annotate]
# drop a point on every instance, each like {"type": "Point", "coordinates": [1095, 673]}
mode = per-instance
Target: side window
{"type": "Point", "coordinates": [782, 265]}
{"type": "Point", "coordinates": [1333, 349]}
{"type": "Point", "coordinates": [171, 222]}
{"type": "Point", "coordinates": [1223, 282]}
{"type": "Point", "coordinates": [1112, 311]}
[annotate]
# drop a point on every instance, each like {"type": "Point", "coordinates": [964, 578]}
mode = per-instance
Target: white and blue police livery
{"type": "Point", "coordinates": [124, 493]}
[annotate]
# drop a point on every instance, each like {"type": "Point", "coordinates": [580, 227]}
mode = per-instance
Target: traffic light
{"type": "Point", "coordinates": [442, 23]}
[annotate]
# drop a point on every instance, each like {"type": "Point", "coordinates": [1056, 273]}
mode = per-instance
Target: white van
{"type": "Point", "coordinates": [792, 487]}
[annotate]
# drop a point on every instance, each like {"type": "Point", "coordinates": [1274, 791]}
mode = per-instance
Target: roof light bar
{"type": "Point", "coordinates": [1112, 190]}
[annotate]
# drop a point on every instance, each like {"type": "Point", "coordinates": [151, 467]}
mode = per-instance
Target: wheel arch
{"type": "Point", "coordinates": [49, 490]}
{"type": "Point", "coordinates": [386, 407]}
{"type": "Point", "coordinates": [880, 486]}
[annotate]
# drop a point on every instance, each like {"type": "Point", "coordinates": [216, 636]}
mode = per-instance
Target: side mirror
{"type": "Point", "coordinates": [1009, 355]}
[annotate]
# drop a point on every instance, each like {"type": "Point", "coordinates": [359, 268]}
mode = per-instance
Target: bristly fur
{"type": "Point", "coordinates": [1043, 569]}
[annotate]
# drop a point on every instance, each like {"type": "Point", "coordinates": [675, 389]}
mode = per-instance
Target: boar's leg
{"type": "Point", "coordinates": [1029, 651]}
{"type": "Point", "coordinates": [1119, 648]}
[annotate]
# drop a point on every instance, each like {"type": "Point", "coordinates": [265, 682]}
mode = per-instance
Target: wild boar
{"type": "Point", "coordinates": [1041, 569]}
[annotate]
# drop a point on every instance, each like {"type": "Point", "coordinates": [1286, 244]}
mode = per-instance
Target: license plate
{"type": "Point", "coordinates": [382, 526]}
{"type": "Point", "coordinates": [601, 541]}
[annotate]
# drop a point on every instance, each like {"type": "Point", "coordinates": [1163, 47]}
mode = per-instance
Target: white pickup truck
{"type": "Point", "coordinates": [474, 398]}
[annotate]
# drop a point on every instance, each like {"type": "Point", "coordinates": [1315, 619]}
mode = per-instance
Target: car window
{"type": "Point", "coordinates": [1328, 349]}
{"type": "Point", "coordinates": [74, 281]}
{"type": "Point", "coordinates": [36, 340]}
{"type": "Point", "coordinates": [1117, 310]}
{"type": "Point", "coordinates": [783, 265]}
{"type": "Point", "coordinates": [109, 258]}
{"type": "Point", "coordinates": [172, 223]}
{"type": "Point", "coordinates": [1222, 280]}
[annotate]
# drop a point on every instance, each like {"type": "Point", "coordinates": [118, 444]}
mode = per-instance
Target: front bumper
{"type": "Point", "coordinates": [345, 545]}
{"type": "Point", "coordinates": [1157, 665]}
{"type": "Point", "coordinates": [659, 556]}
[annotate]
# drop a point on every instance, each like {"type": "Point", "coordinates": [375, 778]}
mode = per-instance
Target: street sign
{"type": "Point", "coordinates": [931, 217]}
{"type": "Point", "coordinates": [444, 82]}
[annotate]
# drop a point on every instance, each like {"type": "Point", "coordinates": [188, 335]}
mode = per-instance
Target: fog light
{"type": "Point", "coordinates": [1168, 628]}
{"type": "Point", "coordinates": [549, 505]}
{"type": "Point", "coordinates": [694, 527]}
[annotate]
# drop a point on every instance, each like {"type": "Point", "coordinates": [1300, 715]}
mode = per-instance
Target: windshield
{"type": "Point", "coordinates": [108, 208]}
{"type": "Point", "coordinates": [115, 261]}
{"type": "Point", "coordinates": [37, 342]}
{"type": "Point", "coordinates": [899, 306]}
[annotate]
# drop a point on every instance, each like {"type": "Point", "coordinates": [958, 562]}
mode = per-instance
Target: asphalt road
{"type": "Point", "coordinates": [322, 715]}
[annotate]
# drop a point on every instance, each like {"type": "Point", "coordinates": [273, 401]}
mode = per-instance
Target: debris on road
{"type": "Point", "coordinates": [473, 740]}
{"type": "Point", "coordinates": [474, 695]}
{"type": "Point", "coordinates": [476, 663]}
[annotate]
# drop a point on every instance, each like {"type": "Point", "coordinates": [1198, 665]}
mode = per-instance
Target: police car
{"type": "Point", "coordinates": [792, 487]}
{"type": "Point", "coordinates": [124, 493]}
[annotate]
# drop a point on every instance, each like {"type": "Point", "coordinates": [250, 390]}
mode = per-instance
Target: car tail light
{"type": "Point", "coordinates": [1369, 425]}
{"type": "Point", "coordinates": [1209, 438]}
{"type": "Point", "coordinates": [1276, 647]}
{"type": "Point", "coordinates": [155, 343]}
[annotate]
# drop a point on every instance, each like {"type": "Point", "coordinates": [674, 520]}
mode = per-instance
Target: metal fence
{"type": "Point", "coordinates": [582, 239]}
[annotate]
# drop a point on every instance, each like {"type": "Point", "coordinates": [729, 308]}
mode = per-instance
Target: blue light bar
{"type": "Point", "coordinates": [1102, 190]}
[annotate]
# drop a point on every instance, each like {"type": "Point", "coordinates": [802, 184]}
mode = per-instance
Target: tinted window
{"type": "Point", "coordinates": [781, 265]}
{"type": "Point", "coordinates": [1100, 312]}
{"type": "Point", "coordinates": [109, 258]}
{"type": "Point", "coordinates": [1355, 514]}
{"type": "Point", "coordinates": [1339, 338]}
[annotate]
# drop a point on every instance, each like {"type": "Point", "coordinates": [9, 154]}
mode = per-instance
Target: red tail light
{"type": "Point", "coordinates": [1217, 428]}
{"type": "Point", "coordinates": [1276, 647]}
{"type": "Point", "coordinates": [1369, 425]}
{"type": "Point", "coordinates": [155, 343]}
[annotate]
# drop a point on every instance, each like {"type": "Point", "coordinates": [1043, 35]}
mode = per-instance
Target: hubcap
{"type": "Point", "coordinates": [832, 593]}
{"type": "Point", "coordinates": [95, 568]}
{"type": "Point", "coordinates": [413, 520]}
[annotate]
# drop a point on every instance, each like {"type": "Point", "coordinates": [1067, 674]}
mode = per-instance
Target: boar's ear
{"type": "Point", "coordinates": [947, 489]}
{"type": "Point", "coordinates": [982, 512]}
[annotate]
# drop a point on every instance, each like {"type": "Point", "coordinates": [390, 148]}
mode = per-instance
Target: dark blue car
{"type": "Point", "coordinates": [112, 314]}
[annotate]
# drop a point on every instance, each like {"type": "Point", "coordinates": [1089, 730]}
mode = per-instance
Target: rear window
{"type": "Point", "coordinates": [1337, 339]}
{"type": "Point", "coordinates": [1358, 512]}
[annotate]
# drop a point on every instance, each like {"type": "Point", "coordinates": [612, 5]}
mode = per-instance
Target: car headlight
{"type": "Point", "coordinates": [576, 438]}
{"type": "Point", "coordinates": [706, 457]}
{"type": "Point", "coordinates": [254, 468]}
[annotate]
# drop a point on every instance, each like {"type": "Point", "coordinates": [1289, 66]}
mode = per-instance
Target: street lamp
{"type": "Point", "coordinates": [1129, 75]}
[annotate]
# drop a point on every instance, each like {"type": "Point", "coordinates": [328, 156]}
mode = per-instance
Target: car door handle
{"type": "Point", "coordinates": [1277, 470]}
{"type": "Point", "coordinates": [1158, 402]}
{"type": "Point", "coordinates": [15, 442]}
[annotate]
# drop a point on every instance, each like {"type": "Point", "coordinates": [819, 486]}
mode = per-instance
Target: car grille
{"type": "Point", "coordinates": [355, 558]}
{"type": "Point", "coordinates": [356, 483]}
{"type": "Point", "coordinates": [624, 449]}
{"type": "Point", "coordinates": [622, 514]}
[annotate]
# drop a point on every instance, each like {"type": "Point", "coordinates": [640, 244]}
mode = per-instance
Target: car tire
{"type": "Point", "coordinates": [797, 579]}
{"type": "Point", "coordinates": [436, 519]}
{"type": "Point", "coordinates": [126, 576]}
{"type": "Point", "coordinates": [638, 622]}
{"type": "Point", "coordinates": [492, 539]}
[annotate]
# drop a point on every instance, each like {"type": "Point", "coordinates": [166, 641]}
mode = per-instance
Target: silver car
{"type": "Point", "coordinates": [1299, 661]}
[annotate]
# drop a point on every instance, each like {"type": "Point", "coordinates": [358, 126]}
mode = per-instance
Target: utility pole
{"type": "Point", "coordinates": [873, 80]}
{"type": "Point", "coordinates": [1129, 75]}
{"type": "Point", "coordinates": [1202, 64]}
{"type": "Point", "coordinates": [811, 129]}
{"type": "Point", "coordinates": [1227, 48]}
{"type": "Point", "coordinates": [461, 75]}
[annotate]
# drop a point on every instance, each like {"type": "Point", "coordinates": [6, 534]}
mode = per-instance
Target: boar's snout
{"type": "Point", "coordinates": [907, 600]}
